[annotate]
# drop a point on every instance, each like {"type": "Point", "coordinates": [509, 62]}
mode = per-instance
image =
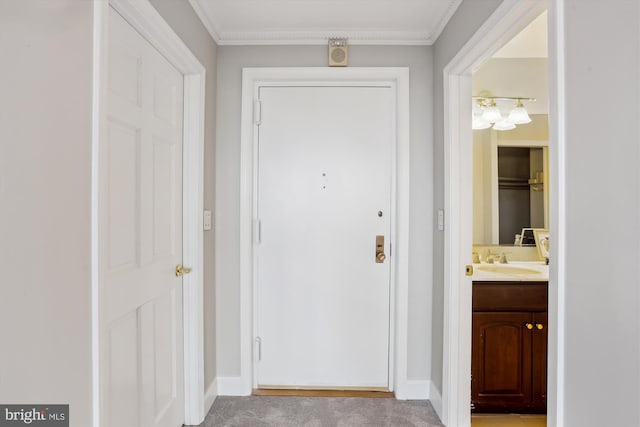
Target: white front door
{"type": "Point", "coordinates": [324, 194]}
{"type": "Point", "coordinates": [141, 236]}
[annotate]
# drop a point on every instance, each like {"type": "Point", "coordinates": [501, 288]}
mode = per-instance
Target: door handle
{"type": "Point", "coordinates": [181, 270]}
{"type": "Point", "coordinates": [380, 255]}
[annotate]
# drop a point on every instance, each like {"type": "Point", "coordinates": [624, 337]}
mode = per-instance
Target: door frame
{"type": "Point", "coordinates": [510, 17]}
{"type": "Point", "coordinates": [144, 18]}
{"type": "Point", "coordinates": [395, 77]}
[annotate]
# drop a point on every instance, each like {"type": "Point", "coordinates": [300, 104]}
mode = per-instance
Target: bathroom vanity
{"type": "Point", "coordinates": [509, 341]}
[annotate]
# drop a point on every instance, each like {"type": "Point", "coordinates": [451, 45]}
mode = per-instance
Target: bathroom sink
{"type": "Point", "coordinates": [506, 269]}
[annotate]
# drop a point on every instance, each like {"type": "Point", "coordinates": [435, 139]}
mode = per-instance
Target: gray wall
{"type": "Point", "coordinates": [45, 189]}
{"type": "Point", "coordinates": [600, 369]}
{"type": "Point", "coordinates": [468, 18]}
{"type": "Point", "coordinates": [231, 60]}
{"type": "Point", "coordinates": [185, 22]}
{"type": "Point", "coordinates": [602, 341]}
{"type": "Point", "coordinates": [45, 204]}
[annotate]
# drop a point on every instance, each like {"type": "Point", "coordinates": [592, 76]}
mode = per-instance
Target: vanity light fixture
{"type": "Point", "coordinates": [519, 116]}
{"type": "Point", "coordinates": [487, 112]}
{"type": "Point", "coordinates": [505, 124]}
{"type": "Point", "coordinates": [478, 123]}
{"type": "Point", "coordinates": [491, 113]}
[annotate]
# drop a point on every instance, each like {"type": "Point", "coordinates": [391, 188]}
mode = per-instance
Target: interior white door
{"type": "Point", "coordinates": [324, 194]}
{"type": "Point", "coordinates": [141, 235]}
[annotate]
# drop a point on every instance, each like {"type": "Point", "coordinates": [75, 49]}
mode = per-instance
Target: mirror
{"type": "Point", "coordinates": [510, 167]}
{"type": "Point", "coordinates": [510, 183]}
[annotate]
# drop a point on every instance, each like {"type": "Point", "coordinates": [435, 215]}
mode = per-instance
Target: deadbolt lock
{"type": "Point", "coordinates": [380, 255]}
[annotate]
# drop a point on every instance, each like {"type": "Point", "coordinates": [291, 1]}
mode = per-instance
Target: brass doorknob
{"type": "Point", "coordinates": [380, 256]}
{"type": "Point", "coordinates": [529, 325]}
{"type": "Point", "coordinates": [540, 326]}
{"type": "Point", "coordinates": [181, 270]}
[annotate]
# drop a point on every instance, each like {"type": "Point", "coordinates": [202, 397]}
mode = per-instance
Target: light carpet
{"type": "Point", "coordinates": [277, 411]}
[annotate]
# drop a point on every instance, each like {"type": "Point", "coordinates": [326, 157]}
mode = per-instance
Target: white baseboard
{"type": "Point", "coordinates": [413, 390]}
{"type": "Point", "coordinates": [435, 398]}
{"type": "Point", "coordinates": [210, 396]}
{"type": "Point", "coordinates": [233, 386]}
{"type": "Point", "coordinates": [421, 390]}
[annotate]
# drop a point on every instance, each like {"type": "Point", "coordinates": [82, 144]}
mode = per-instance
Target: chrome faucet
{"type": "Point", "coordinates": [503, 258]}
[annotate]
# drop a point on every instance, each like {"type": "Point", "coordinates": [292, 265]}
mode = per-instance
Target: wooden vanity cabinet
{"type": "Point", "coordinates": [509, 347]}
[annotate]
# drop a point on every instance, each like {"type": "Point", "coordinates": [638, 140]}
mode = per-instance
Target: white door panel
{"type": "Point", "coordinates": [122, 371]}
{"type": "Point", "coordinates": [141, 235]}
{"type": "Point", "coordinates": [325, 156]}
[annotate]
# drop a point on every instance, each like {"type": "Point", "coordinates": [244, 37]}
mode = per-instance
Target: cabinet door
{"type": "Point", "coordinates": [539, 362]}
{"type": "Point", "coordinates": [501, 361]}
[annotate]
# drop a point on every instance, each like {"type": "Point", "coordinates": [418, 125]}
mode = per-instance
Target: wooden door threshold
{"type": "Point", "coordinates": [323, 393]}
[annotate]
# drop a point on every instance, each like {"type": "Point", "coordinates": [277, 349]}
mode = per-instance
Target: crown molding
{"type": "Point", "coordinates": [208, 23]}
{"type": "Point", "coordinates": [320, 37]}
{"type": "Point", "coordinates": [444, 21]}
{"type": "Point", "coordinates": [231, 38]}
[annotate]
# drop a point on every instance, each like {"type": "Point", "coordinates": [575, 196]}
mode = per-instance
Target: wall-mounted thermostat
{"type": "Point", "coordinates": [338, 52]}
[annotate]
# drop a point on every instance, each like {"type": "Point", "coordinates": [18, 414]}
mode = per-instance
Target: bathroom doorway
{"type": "Point", "coordinates": [510, 208]}
{"type": "Point", "coordinates": [507, 21]}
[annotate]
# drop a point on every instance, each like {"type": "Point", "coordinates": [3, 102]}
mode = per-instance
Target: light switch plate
{"type": "Point", "coordinates": [206, 217]}
{"type": "Point", "coordinates": [440, 220]}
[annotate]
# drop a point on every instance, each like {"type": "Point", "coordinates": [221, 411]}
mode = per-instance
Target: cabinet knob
{"type": "Point", "coordinates": [528, 325]}
{"type": "Point", "coordinates": [540, 326]}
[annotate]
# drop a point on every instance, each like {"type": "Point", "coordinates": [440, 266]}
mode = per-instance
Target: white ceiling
{"type": "Point", "coordinates": [397, 22]}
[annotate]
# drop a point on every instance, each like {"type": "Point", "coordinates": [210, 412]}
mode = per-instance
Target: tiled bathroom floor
{"type": "Point", "coordinates": [508, 420]}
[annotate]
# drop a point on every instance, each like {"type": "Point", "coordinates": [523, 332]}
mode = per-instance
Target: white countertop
{"type": "Point", "coordinates": [516, 271]}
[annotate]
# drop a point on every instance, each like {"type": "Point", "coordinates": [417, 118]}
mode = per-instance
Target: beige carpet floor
{"type": "Point", "coordinates": [276, 411]}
